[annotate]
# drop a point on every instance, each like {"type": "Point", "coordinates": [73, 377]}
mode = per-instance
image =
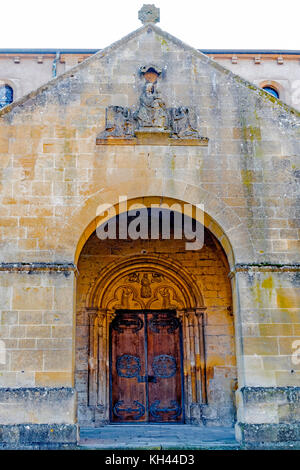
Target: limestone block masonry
{"type": "Point", "coordinates": [49, 414]}
{"type": "Point", "coordinates": [54, 177]}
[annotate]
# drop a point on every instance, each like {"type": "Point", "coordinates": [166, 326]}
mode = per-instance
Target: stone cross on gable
{"type": "Point", "coordinates": [149, 14]}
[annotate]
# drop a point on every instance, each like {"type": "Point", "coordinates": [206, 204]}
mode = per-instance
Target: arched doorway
{"type": "Point", "coordinates": [149, 304]}
{"type": "Point", "coordinates": [148, 309]}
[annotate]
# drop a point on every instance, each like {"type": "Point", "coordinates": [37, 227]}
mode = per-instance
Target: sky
{"type": "Point", "coordinates": [94, 24]}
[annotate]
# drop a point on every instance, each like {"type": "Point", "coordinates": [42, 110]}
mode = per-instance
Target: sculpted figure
{"type": "Point", "coordinates": [152, 110]}
{"type": "Point", "coordinates": [150, 117]}
{"type": "Point", "coordinates": [145, 289]}
{"type": "Point", "coordinates": [118, 121]}
{"type": "Point", "coordinates": [180, 122]}
{"type": "Point", "coordinates": [126, 293]}
{"type": "Point", "coordinates": [166, 300]}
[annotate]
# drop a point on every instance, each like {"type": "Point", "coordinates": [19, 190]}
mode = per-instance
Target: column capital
{"type": "Point", "coordinates": [200, 310]}
{"type": "Point", "coordinates": [101, 312]}
{"type": "Point", "coordinates": [111, 314]}
{"type": "Point", "coordinates": [92, 311]}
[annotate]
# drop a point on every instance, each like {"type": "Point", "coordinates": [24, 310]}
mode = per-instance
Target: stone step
{"type": "Point", "coordinates": [158, 437]}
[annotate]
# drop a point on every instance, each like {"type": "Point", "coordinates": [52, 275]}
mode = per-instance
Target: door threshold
{"type": "Point", "coordinates": [152, 424]}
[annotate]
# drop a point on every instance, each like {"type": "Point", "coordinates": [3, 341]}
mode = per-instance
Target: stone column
{"type": "Point", "coordinates": [193, 363]}
{"type": "Point", "coordinates": [98, 391]}
{"type": "Point", "coordinates": [102, 357]}
{"type": "Point", "coordinates": [109, 316]}
{"type": "Point", "coordinates": [93, 356]}
{"type": "Point", "coordinates": [186, 363]}
{"type": "Point", "coordinates": [200, 355]}
{"type": "Point", "coordinates": [190, 321]}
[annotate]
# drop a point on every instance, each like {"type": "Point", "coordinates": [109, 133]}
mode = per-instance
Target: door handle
{"type": "Point", "coordinates": [147, 378]}
{"type": "Point", "coordinates": [152, 378]}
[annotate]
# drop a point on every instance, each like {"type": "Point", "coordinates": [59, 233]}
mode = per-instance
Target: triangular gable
{"type": "Point", "coordinates": [103, 53]}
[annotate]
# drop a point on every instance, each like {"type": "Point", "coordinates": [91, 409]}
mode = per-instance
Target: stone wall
{"type": "Point", "coordinates": [36, 372]}
{"type": "Point", "coordinates": [37, 329]}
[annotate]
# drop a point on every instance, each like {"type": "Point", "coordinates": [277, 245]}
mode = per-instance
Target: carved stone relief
{"type": "Point", "coordinates": [151, 117]}
{"type": "Point", "coordinates": [140, 290]}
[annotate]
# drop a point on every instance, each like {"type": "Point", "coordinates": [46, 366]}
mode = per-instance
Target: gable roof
{"type": "Point", "coordinates": [167, 36]}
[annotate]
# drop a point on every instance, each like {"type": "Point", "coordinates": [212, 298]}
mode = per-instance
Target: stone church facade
{"type": "Point", "coordinates": [96, 331]}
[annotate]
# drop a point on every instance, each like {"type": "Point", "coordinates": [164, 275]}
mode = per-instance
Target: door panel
{"type": "Point", "coordinates": [128, 391]}
{"type": "Point", "coordinates": [146, 368]}
{"type": "Point", "coordinates": [164, 364]}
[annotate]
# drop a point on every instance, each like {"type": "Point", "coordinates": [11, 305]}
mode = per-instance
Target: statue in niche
{"type": "Point", "coordinates": [152, 110]}
{"type": "Point", "coordinates": [180, 122]}
{"type": "Point", "coordinates": [146, 291]}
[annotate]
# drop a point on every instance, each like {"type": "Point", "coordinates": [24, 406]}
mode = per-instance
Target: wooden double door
{"type": "Point", "coordinates": [146, 381]}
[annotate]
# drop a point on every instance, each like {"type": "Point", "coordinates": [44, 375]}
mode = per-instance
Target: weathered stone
{"type": "Point", "coordinates": [38, 436]}
{"type": "Point", "coordinates": [43, 405]}
{"type": "Point", "coordinates": [151, 120]}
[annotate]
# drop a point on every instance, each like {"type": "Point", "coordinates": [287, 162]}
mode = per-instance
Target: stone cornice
{"type": "Point", "coordinates": [38, 267]}
{"type": "Point", "coordinates": [264, 267]}
{"type": "Point", "coordinates": [71, 267]}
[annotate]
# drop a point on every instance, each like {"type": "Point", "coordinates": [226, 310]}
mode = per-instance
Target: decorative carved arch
{"type": "Point", "coordinates": [141, 281]}
{"type": "Point", "coordinates": [146, 282]}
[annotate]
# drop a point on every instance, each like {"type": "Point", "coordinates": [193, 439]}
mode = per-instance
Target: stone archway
{"type": "Point", "coordinates": [195, 285]}
{"type": "Point", "coordinates": [219, 218]}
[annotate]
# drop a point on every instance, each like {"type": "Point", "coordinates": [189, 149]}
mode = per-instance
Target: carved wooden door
{"type": "Point", "coordinates": [146, 380]}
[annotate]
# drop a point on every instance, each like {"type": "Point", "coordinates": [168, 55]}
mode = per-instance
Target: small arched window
{"type": "Point", "coordinates": [271, 90]}
{"type": "Point", "coordinates": [6, 95]}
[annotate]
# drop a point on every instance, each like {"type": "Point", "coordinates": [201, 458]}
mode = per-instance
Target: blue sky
{"type": "Point", "coordinates": [214, 24]}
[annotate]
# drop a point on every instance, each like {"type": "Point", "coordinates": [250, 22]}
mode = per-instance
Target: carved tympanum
{"type": "Point", "coordinates": [144, 289]}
